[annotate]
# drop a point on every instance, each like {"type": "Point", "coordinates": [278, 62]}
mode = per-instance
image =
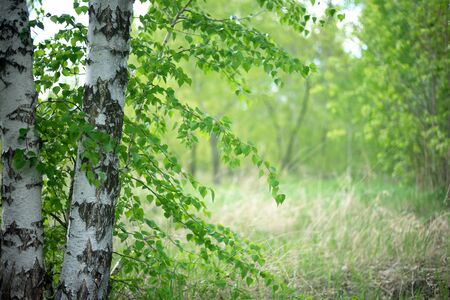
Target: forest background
{"type": "Point", "coordinates": [362, 145]}
{"type": "Point", "coordinates": [359, 136]}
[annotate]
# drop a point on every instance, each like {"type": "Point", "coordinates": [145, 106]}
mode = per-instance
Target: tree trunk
{"type": "Point", "coordinates": [21, 264]}
{"type": "Point", "coordinates": [272, 112]}
{"type": "Point", "coordinates": [215, 159]}
{"type": "Point", "coordinates": [87, 259]}
{"type": "Point", "coordinates": [287, 159]}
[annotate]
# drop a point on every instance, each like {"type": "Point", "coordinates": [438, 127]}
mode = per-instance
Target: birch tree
{"type": "Point", "coordinates": [21, 263]}
{"type": "Point", "coordinates": [84, 178]}
{"type": "Point", "coordinates": [87, 259]}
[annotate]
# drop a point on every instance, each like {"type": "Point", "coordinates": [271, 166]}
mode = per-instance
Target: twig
{"type": "Point", "coordinates": [174, 22]}
{"type": "Point", "coordinates": [58, 219]}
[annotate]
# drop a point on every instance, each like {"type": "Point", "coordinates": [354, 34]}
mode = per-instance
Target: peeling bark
{"type": "Point", "coordinates": [87, 259]}
{"type": "Point", "coordinates": [21, 262]}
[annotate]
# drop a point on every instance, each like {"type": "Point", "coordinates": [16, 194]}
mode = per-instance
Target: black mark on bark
{"type": "Point", "coordinates": [122, 77]}
{"type": "Point", "coordinates": [62, 290]}
{"type": "Point", "coordinates": [33, 185]}
{"type": "Point", "coordinates": [100, 102]}
{"type": "Point", "coordinates": [83, 292]}
{"type": "Point", "coordinates": [119, 24]}
{"type": "Point", "coordinates": [24, 113]}
{"type": "Point", "coordinates": [7, 161]}
{"type": "Point", "coordinates": [21, 238]}
{"type": "Point", "coordinates": [97, 215]}
{"type": "Point", "coordinates": [6, 193]}
{"type": "Point", "coordinates": [97, 264]}
{"type": "Point", "coordinates": [21, 285]}
{"type": "Point", "coordinates": [8, 30]}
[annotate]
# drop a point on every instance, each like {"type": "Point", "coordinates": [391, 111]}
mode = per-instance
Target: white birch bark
{"type": "Point", "coordinates": [21, 262]}
{"type": "Point", "coordinates": [87, 259]}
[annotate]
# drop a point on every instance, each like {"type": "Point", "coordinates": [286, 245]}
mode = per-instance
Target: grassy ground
{"type": "Point", "coordinates": [332, 239]}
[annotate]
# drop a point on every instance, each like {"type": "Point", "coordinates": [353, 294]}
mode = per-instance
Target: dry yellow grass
{"type": "Point", "coordinates": [335, 245]}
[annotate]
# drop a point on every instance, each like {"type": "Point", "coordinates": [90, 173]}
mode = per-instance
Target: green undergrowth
{"type": "Point", "coordinates": [331, 239]}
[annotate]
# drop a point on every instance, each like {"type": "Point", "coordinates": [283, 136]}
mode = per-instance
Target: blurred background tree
{"type": "Point", "coordinates": [406, 88]}
{"type": "Point", "coordinates": [380, 110]}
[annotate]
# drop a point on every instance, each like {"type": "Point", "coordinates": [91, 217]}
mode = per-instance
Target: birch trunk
{"type": "Point", "coordinates": [87, 259]}
{"type": "Point", "coordinates": [21, 262]}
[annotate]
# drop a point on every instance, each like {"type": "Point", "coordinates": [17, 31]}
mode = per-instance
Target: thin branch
{"type": "Point", "coordinates": [234, 18]}
{"type": "Point", "coordinates": [174, 22]}
{"type": "Point", "coordinates": [58, 219]}
{"type": "Point", "coordinates": [60, 101]}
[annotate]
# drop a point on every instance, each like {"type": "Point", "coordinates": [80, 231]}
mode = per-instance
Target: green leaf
{"type": "Point", "coordinates": [139, 245]}
{"type": "Point", "coordinates": [280, 198]}
{"type": "Point", "coordinates": [329, 12]}
{"type": "Point", "coordinates": [23, 133]}
{"type": "Point", "coordinates": [203, 191]}
{"type": "Point", "coordinates": [213, 194]}
{"type": "Point", "coordinates": [19, 159]}
{"type": "Point", "coordinates": [249, 280]}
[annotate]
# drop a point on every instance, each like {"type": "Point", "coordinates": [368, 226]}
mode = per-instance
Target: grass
{"type": "Point", "coordinates": [333, 239]}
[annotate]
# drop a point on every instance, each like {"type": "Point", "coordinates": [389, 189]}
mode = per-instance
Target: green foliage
{"type": "Point", "coordinates": [192, 63]}
{"type": "Point", "coordinates": [267, 114]}
{"type": "Point", "coordinates": [405, 88]}
{"type": "Point", "coordinates": [152, 178]}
